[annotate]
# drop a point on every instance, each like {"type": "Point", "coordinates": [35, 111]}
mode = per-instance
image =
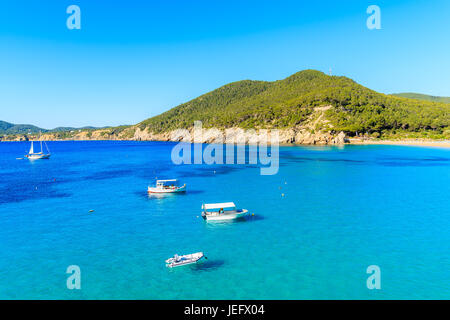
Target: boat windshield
{"type": "Point", "coordinates": [167, 183]}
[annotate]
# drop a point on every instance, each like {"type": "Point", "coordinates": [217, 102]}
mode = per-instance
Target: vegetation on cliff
{"type": "Point", "coordinates": [309, 100]}
{"type": "Point", "coordinates": [10, 128]}
{"type": "Point", "coordinates": [290, 102]}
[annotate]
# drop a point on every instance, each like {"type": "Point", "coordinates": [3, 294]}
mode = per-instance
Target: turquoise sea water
{"type": "Point", "coordinates": [343, 209]}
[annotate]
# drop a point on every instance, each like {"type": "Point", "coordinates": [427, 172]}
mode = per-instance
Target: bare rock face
{"type": "Point", "coordinates": [341, 138]}
{"type": "Point", "coordinates": [234, 135]}
{"type": "Point", "coordinates": [241, 136]}
{"type": "Point", "coordinates": [210, 136]}
{"type": "Point", "coordinates": [309, 138]}
{"type": "Point", "coordinates": [287, 136]}
{"type": "Point", "coordinates": [142, 135]}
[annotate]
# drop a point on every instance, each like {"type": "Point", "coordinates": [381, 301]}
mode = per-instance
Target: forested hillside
{"type": "Point", "coordinates": [289, 102]}
{"type": "Point", "coordinates": [420, 96]}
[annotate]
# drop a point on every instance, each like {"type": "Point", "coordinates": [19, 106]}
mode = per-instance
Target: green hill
{"type": "Point", "coordinates": [7, 128]}
{"type": "Point", "coordinates": [424, 97]}
{"type": "Point", "coordinates": [291, 103]}
{"type": "Point", "coordinates": [307, 101]}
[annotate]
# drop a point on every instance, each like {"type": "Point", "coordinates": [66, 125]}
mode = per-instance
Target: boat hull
{"type": "Point", "coordinates": [38, 156]}
{"type": "Point", "coordinates": [158, 190]}
{"type": "Point", "coordinates": [226, 216]}
{"type": "Point", "coordinates": [184, 260]}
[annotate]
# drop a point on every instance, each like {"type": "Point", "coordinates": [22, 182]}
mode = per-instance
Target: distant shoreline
{"type": "Point", "coordinates": [352, 141]}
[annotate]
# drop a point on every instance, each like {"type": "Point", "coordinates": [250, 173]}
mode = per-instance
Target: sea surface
{"type": "Point", "coordinates": [328, 214]}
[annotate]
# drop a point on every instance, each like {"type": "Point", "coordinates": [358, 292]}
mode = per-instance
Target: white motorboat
{"type": "Point", "coordinates": [167, 186]}
{"type": "Point", "coordinates": [222, 211]}
{"type": "Point", "coordinates": [183, 260]}
{"type": "Point", "coordinates": [38, 155]}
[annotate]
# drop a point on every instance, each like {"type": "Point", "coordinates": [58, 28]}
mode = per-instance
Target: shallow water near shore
{"type": "Point", "coordinates": [328, 214]}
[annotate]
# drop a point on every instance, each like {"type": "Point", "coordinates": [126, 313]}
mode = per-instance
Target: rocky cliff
{"type": "Point", "coordinates": [234, 135]}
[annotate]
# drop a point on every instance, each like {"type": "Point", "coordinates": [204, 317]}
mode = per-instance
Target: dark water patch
{"type": "Point", "coordinates": [32, 183]}
{"type": "Point", "coordinates": [208, 264]}
{"type": "Point", "coordinates": [144, 171]}
{"type": "Point", "coordinates": [384, 161]}
{"type": "Point", "coordinates": [110, 174]}
{"type": "Point", "coordinates": [152, 172]}
{"type": "Point", "coordinates": [18, 192]}
{"type": "Point", "coordinates": [308, 159]}
{"type": "Point", "coordinates": [248, 218]}
{"type": "Point", "coordinates": [201, 173]}
{"type": "Point", "coordinates": [256, 217]}
{"type": "Point", "coordinates": [413, 163]}
{"type": "Point", "coordinates": [188, 192]}
{"type": "Point", "coordinates": [209, 171]}
{"type": "Point", "coordinates": [152, 175]}
{"type": "Point", "coordinates": [292, 160]}
{"type": "Point", "coordinates": [283, 164]}
{"type": "Point", "coordinates": [440, 159]}
{"type": "Point", "coordinates": [142, 194]}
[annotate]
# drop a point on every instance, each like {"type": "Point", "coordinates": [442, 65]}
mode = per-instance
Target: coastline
{"type": "Point", "coordinates": [415, 143]}
{"type": "Point", "coordinates": [350, 141]}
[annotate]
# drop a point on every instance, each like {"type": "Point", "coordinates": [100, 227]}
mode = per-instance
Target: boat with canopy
{"type": "Point", "coordinates": [167, 186]}
{"type": "Point", "coordinates": [222, 211]}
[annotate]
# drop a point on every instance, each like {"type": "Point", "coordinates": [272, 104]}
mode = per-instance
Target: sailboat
{"type": "Point", "coordinates": [38, 155]}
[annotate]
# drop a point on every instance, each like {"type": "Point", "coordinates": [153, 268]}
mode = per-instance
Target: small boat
{"type": "Point", "coordinates": [186, 259]}
{"type": "Point", "coordinates": [167, 186]}
{"type": "Point", "coordinates": [222, 211]}
{"type": "Point", "coordinates": [38, 155]}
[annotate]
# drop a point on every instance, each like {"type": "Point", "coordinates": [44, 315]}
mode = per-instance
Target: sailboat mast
{"type": "Point", "coordinates": [40, 139]}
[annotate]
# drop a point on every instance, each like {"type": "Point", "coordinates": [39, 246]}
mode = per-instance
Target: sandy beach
{"type": "Point", "coordinates": [413, 142]}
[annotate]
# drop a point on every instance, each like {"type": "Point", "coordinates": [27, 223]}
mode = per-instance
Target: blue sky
{"type": "Point", "coordinates": [135, 59]}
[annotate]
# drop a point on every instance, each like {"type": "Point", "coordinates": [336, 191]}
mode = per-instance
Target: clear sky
{"type": "Point", "coordinates": [135, 59]}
